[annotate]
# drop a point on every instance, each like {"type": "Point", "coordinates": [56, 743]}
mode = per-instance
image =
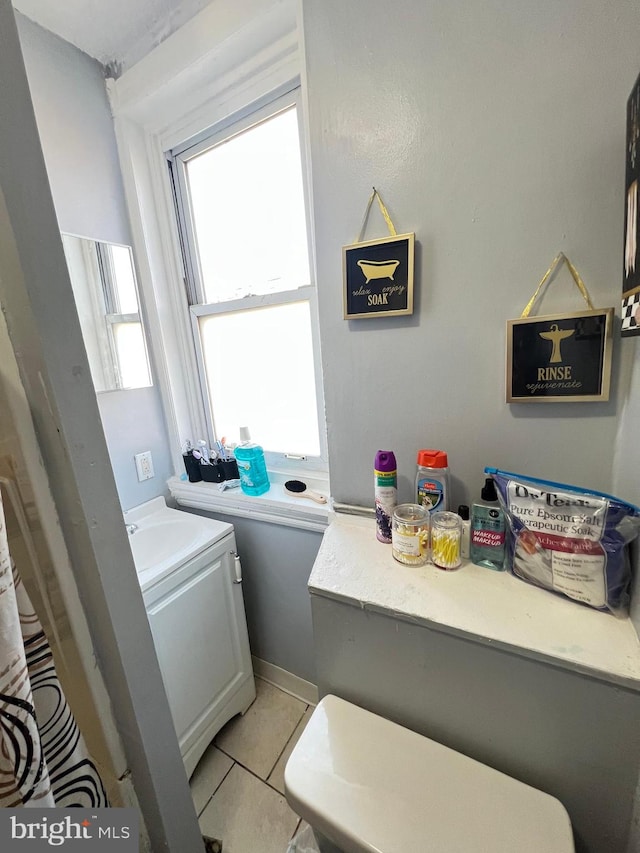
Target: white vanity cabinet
{"type": "Point", "coordinates": [197, 618]}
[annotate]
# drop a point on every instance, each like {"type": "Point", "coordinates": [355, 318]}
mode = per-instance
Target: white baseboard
{"type": "Point", "coordinates": [287, 681]}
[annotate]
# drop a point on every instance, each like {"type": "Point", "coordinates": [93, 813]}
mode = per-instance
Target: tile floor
{"type": "Point", "coordinates": [238, 786]}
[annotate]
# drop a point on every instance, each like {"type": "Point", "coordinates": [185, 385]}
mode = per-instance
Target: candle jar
{"type": "Point", "coordinates": [446, 537]}
{"type": "Point", "coordinates": [410, 534]}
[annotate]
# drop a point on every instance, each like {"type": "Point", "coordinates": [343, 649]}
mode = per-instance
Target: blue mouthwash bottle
{"type": "Point", "coordinates": [252, 467]}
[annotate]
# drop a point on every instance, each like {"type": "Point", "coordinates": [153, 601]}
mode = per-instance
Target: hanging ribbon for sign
{"type": "Point", "coordinates": [559, 259]}
{"type": "Point", "coordinates": [383, 211]}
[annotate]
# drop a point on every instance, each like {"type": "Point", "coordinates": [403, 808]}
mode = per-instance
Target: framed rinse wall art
{"type": "Point", "coordinates": [378, 274]}
{"type": "Point", "coordinates": [560, 357]}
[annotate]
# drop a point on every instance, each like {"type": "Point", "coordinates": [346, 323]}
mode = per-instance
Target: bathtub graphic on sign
{"type": "Point", "coordinates": [378, 269]}
{"type": "Point", "coordinates": [378, 277]}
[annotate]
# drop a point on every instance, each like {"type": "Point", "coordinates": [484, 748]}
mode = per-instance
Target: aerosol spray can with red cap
{"type": "Point", "coordinates": [385, 475]}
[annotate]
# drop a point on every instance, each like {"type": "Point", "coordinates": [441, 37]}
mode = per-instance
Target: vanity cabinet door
{"type": "Point", "coordinates": [199, 629]}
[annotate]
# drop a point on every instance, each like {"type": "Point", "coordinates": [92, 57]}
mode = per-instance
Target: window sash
{"type": "Point", "coordinates": [275, 461]}
{"type": "Point", "coordinates": [265, 108]}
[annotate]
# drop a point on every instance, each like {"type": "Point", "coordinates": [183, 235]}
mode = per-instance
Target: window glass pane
{"type": "Point", "coordinates": [260, 374]}
{"type": "Point", "coordinates": [124, 279]}
{"type": "Point", "coordinates": [248, 208]}
{"type": "Point", "coordinates": [132, 355]}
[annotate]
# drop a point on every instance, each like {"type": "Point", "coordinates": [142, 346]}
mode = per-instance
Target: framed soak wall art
{"type": "Point", "coordinates": [378, 277]}
{"type": "Point", "coordinates": [560, 357]}
{"type": "Point", "coordinates": [378, 274]}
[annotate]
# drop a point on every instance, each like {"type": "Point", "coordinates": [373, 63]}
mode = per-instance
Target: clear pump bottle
{"type": "Point", "coordinates": [488, 529]}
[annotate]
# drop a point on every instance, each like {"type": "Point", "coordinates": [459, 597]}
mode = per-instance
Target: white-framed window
{"type": "Point", "coordinates": [242, 212]}
{"type": "Point", "coordinates": [223, 74]}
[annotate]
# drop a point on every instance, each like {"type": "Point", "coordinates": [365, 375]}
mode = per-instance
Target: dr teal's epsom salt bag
{"type": "Point", "coordinates": [568, 540]}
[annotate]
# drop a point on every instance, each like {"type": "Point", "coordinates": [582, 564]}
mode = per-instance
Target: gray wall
{"type": "Point", "coordinates": [496, 132]}
{"type": "Point", "coordinates": [77, 136]}
{"type": "Point", "coordinates": [133, 421]}
{"type": "Point", "coordinates": [78, 141]}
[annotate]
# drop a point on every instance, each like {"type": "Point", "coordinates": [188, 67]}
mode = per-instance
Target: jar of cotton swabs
{"type": "Point", "coordinates": [446, 536]}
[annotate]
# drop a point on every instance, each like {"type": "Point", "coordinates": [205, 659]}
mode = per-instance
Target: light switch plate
{"type": "Point", "coordinates": [144, 466]}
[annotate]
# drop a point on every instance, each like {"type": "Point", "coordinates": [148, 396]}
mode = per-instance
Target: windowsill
{"type": "Point", "coordinates": [274, 506]}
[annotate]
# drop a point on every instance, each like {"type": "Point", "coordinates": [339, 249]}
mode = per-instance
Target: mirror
{"type": "Point", "coordinates": [104, 286]}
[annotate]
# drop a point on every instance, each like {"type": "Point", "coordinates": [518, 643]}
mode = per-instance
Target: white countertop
{"type": "Point", "coordinates": [489, 607]}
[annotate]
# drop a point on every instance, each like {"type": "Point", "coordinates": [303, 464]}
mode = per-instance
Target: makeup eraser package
{"type": "Point", "coordinates": [571, 541]}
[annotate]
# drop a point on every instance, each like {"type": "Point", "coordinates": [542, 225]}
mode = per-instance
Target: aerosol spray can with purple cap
{"type": "Point", "coordinates": [385, 477]}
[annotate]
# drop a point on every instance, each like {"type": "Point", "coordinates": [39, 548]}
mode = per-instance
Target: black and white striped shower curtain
{"type": "Point", "coordinates": [43, 759]}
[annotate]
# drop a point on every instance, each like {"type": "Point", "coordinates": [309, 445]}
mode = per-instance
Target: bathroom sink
{"type": "Point", "coordinates": [163, 539]}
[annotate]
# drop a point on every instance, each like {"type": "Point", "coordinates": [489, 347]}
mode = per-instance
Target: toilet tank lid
{"type": "Point", "coordinates": [371, 785]}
